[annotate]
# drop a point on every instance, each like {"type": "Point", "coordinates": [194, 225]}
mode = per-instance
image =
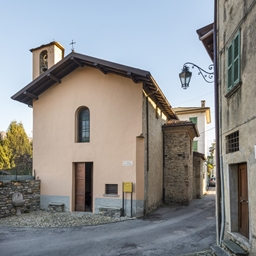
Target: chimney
{"type": "Point", "coordinates": [202, 103]}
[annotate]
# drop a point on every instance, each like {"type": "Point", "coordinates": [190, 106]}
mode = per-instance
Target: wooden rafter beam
{"type": "Point", "coordinates": [31, 95]}
{"type": "Point", "coordinates": [77, 62]}
{"type": "Point", "coordinates": [56, 79]}
{"type": "Point", "coordinates": [132, 77]}
{"type": "Point", "coordinates": [96, 65]}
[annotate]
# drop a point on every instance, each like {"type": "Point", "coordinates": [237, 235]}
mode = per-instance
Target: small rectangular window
{"type": "Point", "coordinates": [111, 189]}
{"type": "Point", "coordinates": [232, 142]}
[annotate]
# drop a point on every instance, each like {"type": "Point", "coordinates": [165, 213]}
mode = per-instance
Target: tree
{"type": "Point", "coordinates": [15, 147]}
{"type": "Point", "coordinates": [4, 154]}
{"type": "Point", "coordinates": [4, 159]}
{"type": "Point", "coordinates": [210, 159]}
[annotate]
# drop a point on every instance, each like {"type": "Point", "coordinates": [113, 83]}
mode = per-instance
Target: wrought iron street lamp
{"type": "Point", "coordinates": [186, 75]}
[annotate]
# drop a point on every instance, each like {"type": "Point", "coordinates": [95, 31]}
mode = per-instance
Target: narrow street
{"type": "Point", "coordinates": [171, 230]}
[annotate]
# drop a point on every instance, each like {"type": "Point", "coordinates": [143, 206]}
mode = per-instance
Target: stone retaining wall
{"type": "Point", "coordinates": [30, 190]}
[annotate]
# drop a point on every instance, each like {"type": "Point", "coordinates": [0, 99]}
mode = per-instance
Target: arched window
{"type": "Point", "coordinates": [43, 61]}
{"type": "Point", "coordinates": [84, 125]}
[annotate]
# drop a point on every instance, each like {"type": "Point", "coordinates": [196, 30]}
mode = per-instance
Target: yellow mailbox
{"type": "Point", "coordinates": [127, 187]}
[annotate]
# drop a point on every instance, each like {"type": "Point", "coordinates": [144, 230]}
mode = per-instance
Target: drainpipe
{"type": "Point", "coordinates": [217, 134]}
{"type": "Point", "coordinates": [147, 133]}
{"type": "Point", "coordinates": [147, 146]}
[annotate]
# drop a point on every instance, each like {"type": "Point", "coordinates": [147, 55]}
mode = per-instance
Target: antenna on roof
{"type": "Point", "coordinates": [73, 49]}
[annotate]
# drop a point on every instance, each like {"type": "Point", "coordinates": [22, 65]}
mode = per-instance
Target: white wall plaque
{"type": "Point", "coordinates": [127, 163]}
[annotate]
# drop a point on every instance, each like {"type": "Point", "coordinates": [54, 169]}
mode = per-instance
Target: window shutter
{"type": "Point", "coordinates": [194, 145]}
{"type": "Point", "coordinates": [233, 63]}
{"type": "Point", "coordinates": [193, 120]}
{"type": "Point", "coordinates": [237, 59]}
{"type": "Point", "coordinates": [230, 66]}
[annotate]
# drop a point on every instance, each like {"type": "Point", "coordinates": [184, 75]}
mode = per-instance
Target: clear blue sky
{"type": "Point", "coordinates": [158, 36]}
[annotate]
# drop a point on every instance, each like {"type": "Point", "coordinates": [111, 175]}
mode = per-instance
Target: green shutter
{"type": "Point", "coordinates": [236, 59]}
{"type": "Point", "coordinates": [195, 146]}
{"type": "Point", "coordinates": [230, 66]}
{"type": "Point", "coordinates": [233, 62]}
{"type": "Point", "coordinates": [193, 120]}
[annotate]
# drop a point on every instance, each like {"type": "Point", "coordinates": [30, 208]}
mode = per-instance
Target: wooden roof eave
{"type": "Point", "coordinates": [190, 127]}
{"type": "Point", "coordinates": [74, 60]}
{"type": "Point", "coordinates": [70, 63]}
{"type": "Point", "coordinates": [39, 82]}
{"type": "Point", "coordinates": [168, 111]}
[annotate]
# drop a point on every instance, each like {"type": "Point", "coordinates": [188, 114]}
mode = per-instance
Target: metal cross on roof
{"type": "Point", "coordinates": [73, 49]}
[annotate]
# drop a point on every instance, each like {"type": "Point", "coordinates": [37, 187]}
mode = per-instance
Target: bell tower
{"type": "Point", "coordinates": [45, 56]}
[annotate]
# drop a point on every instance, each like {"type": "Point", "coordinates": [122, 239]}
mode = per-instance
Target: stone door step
{"type": "Point", "coordinates": [219, 251]}
{"type": "Point", "coordinates": [234, 248]}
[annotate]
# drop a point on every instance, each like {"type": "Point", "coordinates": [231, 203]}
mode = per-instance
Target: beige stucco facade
{"type": "Point", "coordinates": [113, 102]}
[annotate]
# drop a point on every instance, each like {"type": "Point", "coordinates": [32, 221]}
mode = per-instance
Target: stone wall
{"type": "Point", "coordinates": [154, 172]}
{"type": "Point", "coordinates": [178, 161]}
{"type": "Point", "coordinates": [198, 163]}
{"type": "Point", "coordinates": [30, 190]}
{"type": "Point", "coordinates": [178, 171]}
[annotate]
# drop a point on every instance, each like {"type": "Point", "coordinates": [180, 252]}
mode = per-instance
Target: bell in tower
{"type": "Point", "coordinates": [43, 61]}
{"type": "Point", "coordinates": [45, 56]}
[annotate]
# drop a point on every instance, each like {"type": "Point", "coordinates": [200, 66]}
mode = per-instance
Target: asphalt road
{"type": "Point", "coordinates": [171, 230]}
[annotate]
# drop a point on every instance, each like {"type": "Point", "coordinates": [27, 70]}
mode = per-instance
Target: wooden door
{"type": "Point", "coordinates": [91, 187]}
{"type": "Point", "coordinates": [243, 200]}
{"type": "Point", "coordinates": [80, 187]}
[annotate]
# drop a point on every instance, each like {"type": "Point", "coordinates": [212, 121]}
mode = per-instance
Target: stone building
{"type": "Point", "coordinates": [179, 178]}
{"type": "Point", "coordinates": [235, 53]}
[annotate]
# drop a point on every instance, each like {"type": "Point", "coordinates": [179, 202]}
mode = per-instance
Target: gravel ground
{"type": "Point", "coordinates": [41, 219]}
